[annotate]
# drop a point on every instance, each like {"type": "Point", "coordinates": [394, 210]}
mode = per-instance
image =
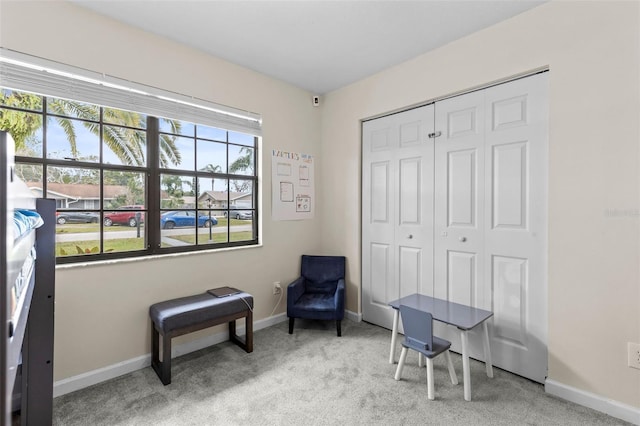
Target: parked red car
{"type": "Point", "coordinates": [129, 216]}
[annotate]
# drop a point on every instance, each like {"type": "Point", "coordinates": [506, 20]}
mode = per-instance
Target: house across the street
{"type": "Point", "coordinates": [87, 196]}
{"type": "Point", "coordinates": [78, 195]}
{"type": "Point", "coordinates": [224, 199]}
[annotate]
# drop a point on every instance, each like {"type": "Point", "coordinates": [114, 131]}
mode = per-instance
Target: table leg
{"type": "Point", "coordinates": [487, 350]}
{"type": "Point", "coordinates": [466, 375]}
{"type": "Point", "coordinates": [394, 336]}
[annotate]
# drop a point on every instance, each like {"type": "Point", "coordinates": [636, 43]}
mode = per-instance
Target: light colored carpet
{"type": "Point", "coordinates": [315, 378]}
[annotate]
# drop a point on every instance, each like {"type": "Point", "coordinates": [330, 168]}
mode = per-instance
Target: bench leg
{"type": "Point", "coordinates": [247, 345]}
{"type": "Point", "coordinates": [162, 368]}
{"type": "Point", "coordinates": [249, 335]}
{"type": "Point", "coordinates": [155, 346]}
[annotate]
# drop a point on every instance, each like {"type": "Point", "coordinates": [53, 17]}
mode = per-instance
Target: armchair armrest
{"type": "Point", "coordinates": [295, 290]}
{"type": "Point", "coordinates": [339, 298]}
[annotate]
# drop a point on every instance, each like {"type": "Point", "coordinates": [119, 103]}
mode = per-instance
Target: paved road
{"type": "Point", "coordinates": [132, 232]}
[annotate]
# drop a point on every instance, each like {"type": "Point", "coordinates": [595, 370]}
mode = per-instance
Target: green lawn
{"type": "Point", "coordinates": [81, 228]}
{"type": "Point", "coordinates": [74, 248]}
{"type": "Point", "coordinates": [217, 237]}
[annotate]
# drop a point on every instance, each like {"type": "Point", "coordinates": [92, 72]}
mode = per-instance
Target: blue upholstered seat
{"type": "Point", "coordinates": [319, 292]}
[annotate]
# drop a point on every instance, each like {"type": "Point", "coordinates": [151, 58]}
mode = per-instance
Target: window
{"type": "Point", "coordinates": [129, 184]}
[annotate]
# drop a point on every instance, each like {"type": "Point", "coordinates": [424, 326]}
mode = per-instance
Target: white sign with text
{"type": "Point", "coordinates": [292, 185]}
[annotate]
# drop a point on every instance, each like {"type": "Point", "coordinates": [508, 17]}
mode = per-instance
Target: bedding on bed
{"type": "Point", "coordinates": [24, 221]}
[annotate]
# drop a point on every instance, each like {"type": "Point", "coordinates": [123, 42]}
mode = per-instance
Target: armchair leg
{"type": "Point", "coordinates": [291, 320]}
{"type": "Point", "coordinates": [339, 328]}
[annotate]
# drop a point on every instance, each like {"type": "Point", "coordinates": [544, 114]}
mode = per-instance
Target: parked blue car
{"type": "Point", "coordinates": [173, 219]}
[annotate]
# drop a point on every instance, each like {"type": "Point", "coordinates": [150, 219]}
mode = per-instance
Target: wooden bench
{"type": "Point", "coordinates": [184, 315]}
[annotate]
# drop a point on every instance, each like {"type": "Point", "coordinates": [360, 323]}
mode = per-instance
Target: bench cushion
{"type": "Point", "coordinates": [183, 312]}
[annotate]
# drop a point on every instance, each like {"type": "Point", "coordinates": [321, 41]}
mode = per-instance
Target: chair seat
{"type": "Point", "coordinates": [316, 302]}
{"type": "Point", "coordinates": [318, 293]}
{"type": "Point", "coordinates": [439, 346]}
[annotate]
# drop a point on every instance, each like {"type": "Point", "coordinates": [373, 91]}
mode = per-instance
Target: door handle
{"type": "Point", "coordinates": [410, 236]}
{"type": "Point", "coordinates": [462, 239]}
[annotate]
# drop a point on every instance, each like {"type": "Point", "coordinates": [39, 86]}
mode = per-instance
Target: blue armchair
{"type": "Point", "coordinates": [318, 293]}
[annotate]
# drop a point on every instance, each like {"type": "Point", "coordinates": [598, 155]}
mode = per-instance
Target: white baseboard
{"type": "Point", "coordinates": [94, 377]}
{"type": "Point", "coordinates": [608, 406]}
{"type": "Point", "coordinates": [90, 378]}
{"type": "Point", "coordinates": [353, 316]}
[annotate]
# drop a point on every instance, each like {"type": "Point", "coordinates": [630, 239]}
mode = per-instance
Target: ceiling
{"type": "Point", "coordinates": [319, 46]}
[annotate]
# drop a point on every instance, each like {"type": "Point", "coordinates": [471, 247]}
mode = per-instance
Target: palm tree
{"type": "Point", "coordinates": [20, 125]}
{"type": "Point", "coordinates": [241, 164]}
{"type": "Point", "coordinates": [127, 144]}
{"type": "Point", "coordinates": [173, 187]}
{"type": "Point", "coordinates": [210, 168]}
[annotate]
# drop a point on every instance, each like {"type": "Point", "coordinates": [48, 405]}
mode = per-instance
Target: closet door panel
{"type": "Point", "coordinates": [379, 273]}
{"type": "Point", "coordinates": [410, 191]}
{"type": "Point", "coordinates": [380, 193]}
{"type": "Point", "coordinates": [515, 236]}
{"type": "Point", "coordinates": [380, 142]}
{"type": "Point", "coordinates": [510, 280]}
{"type": "Point", "coordinates": [410, 269]}
{"type": "Point", "coordinates": [414, 202]}
{"type": "Point", "coordinates": [461, 188]}
{"type": "Point", "coordinates": [459, 208]}
{"type": "Point", "coordinates": [462, 277]}
{"type": "Point", "coordinates": [397, 210]}
{"type": "Point", "coordinates": [380, 249]}
{"type": "Point", "coordinates": [510, 185]}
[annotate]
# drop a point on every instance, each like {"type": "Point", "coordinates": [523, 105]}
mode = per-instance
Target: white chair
{"type": "Point", "coordinates": [418, 332]}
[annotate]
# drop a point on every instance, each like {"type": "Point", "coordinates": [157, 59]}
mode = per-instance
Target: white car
{"type": "Point", "coordinates": [240, 214]}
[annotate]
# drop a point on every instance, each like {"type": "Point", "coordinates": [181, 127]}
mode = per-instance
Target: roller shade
{"type": "Point", "coordinates": [31, 74]}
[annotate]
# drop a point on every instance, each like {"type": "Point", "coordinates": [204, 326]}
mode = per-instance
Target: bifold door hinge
{"type": "Point", "coordinates": [435, 135]}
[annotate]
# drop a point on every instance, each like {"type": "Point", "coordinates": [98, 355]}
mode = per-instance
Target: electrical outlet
{"type": "Point", "coordinates": [634, 355]}
{"type": "Point", "coordinates": [276, 287]}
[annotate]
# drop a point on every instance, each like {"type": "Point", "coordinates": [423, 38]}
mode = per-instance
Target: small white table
{"type": "Point", "coordinates": [463, 317]}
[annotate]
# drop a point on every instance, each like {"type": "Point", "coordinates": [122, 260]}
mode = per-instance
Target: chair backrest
{"type": "Point", "coordinates": [322, 272]}
{"type": "Point", "coordinates": [418, 326]}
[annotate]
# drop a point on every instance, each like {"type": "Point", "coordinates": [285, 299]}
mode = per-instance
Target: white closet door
{"type": "Point", "coordinates": [380, 141]}
{"type": "Point", "coordinates": [397, 210]}
{"type": "Point", "coordinates": [459, 256]}
{"type": "Point", "coordinates": [516, 148]}
{"type": "Point", "coordinates": [463, 218]}
{"type": "Point", "coordinates": [490, 220]}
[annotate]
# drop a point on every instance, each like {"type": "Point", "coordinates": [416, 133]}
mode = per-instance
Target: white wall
{"type": "Point", "coordinates": [102, 310]}
{"type": "Point", "coordinates": [592, 50]}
